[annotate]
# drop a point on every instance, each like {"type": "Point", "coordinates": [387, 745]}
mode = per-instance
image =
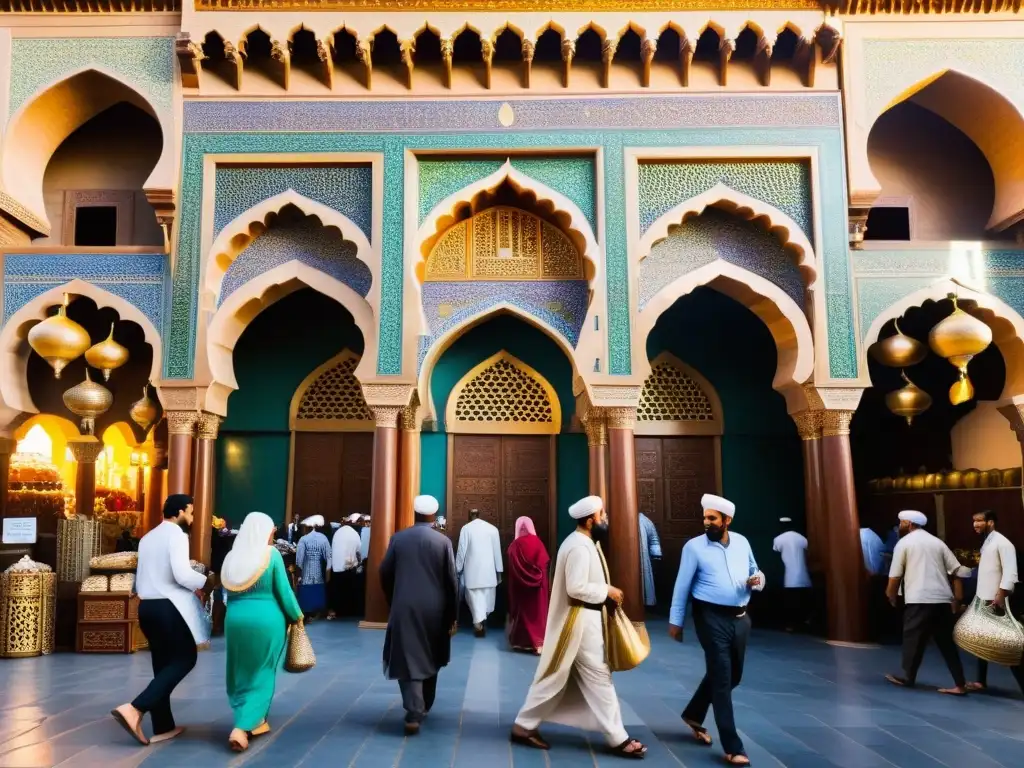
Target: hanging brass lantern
{"type": "Point", "coordinates": [58, 339]}
{"type": "Point", "coordinates": [958, 338]}
{"type": "Point", "coordinates": [898, 350]}
{"type": "Point", "coordinates": [143, 412]}
{"type": "Point", "coordinates": [107, 355]}
{"type": "Point", "coordinates": [908, 401]}
{"type": "Point", "coordinates": [88, 400]}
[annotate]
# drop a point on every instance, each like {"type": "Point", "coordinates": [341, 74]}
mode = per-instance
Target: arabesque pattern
{"type": "Point", "coordinates": [671, 394]}
{"type": "Point", "coordinates": [503, 392]}
{"type": "Point", "coordinates": [335, 395]}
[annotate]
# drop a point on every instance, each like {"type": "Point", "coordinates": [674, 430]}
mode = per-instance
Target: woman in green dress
{"type": "Point", "coordinates": [260, 605]}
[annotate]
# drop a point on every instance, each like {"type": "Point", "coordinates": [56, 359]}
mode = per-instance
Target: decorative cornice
{"type": "Point", "coordinates": [85, 451]}
{"type": "Point", "coordinates": [387, 394]}
{"type": "Point", "coordinates": [538, 6]}
{"type": "Point", "coordinates": [621, 418]}
{"type": "Point", "coordinates": [836, 423]}
{"type": "Point", "coordinates": [181, 422]}
{"type": "Point", "coordinates": [914, 7]}
{"type": "Point", "coordinates": [90, 6]}
{"type": "Point", "coordinates": [386, 415]}
{"type": "Point", "coordinates": [207, 426]}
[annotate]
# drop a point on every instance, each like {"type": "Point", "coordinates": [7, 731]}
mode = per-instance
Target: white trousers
{"type": "Point", "coordinates": [481, 603]}
{"type": "Point", "coordinates": [588, 700]}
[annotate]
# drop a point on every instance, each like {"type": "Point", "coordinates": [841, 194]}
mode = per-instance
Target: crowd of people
{"type": "Point", "coordinates": [561, 618]}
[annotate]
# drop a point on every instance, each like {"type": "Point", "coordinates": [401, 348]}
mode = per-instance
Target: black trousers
{"type": "Point", "coordinates": [922, 622]}
{"type": "Point", "coordinates": [796, 605]}
{"type": "Point", "coordinates": [417, 697]}
{"type": "Point", "coordinates": [173, 651]}
{"type": "Point", "coordinates": [1017, 672]}
{"type": "Point", "coordinates": [723, 636]}
{"type": "Point", "coordinates": [343, 593]}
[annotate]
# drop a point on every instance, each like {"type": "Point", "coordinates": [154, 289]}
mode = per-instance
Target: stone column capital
{"type": "Point", "coordinates": [621, 417]}
{"type": "Point", "coordinates": [596, 427]}
{"type": "Point", "coordinates": [836, 423]}
{"type": "Point", "coordinates": [207, 426]}
{"type": "Point", "coordinates": [85, 449]}
{"type": "Point", "coordinates": [386, 415]}
{"type": "Point", "coordinates": [808, 424]}
{"type": "Point", "coordinates": [410, 417]}
{"type": "Point", "coordinates": [181, 422]}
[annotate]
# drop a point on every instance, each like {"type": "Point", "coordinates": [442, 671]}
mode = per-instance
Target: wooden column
{"type": "Point", "coordinates": [623, 516]}
{"type": "Point", "coordinates": [7, 446]}
{"type": "Point", "coordinates": [808, 424]}
{"type": "Point", "coordinates": [181, 427]}
{"type": "Point", "coordinates": [597, 447]}
{"type": "Point", "coordinates": [382, 510]}
{"type": "Point", "coordinates": [847, 614]}
{"type": "Point", "coordinates": [154, 513]}
{"type": "Point", "coordinates": [86, 450]}
{"type": "Point", "coordinates": [202, 521]}
{"type": "Point", "coordinates": [408, 466]}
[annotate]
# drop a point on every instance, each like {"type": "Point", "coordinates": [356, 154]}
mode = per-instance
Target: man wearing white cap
{"type": "Point", "coordinates": [717, 573]}
{"type": "Point", "coordinates": [345, 559]}
{"type": "Point", "coordinates": [478, 562]}
{"type": "Point", "coordinates": [925, 566]}
{"type": "Point", "coordinates": [313, 560]}
{"type": "Point", "coordinates": [792, 546]}
{"type": "Point", "coordinates": [419, 581]}
{"type": "Point", "coordinates": [573, 684]}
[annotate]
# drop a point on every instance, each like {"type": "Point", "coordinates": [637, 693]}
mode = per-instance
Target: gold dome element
{"type": "Point", "coordinates": [107, 355]}
{"type": "Point", "coordinates": [958, 338]}
{"type": "Point", "coordinates": [898, 351]}
{"type": "Point", "coordinates": [143, 412]}
{"type": "Point", "coordinates": [909, 401]}
{"type": "Point", "coordinates": [88, 400]}
{"type": "Point", "coordinates": [58, 339]}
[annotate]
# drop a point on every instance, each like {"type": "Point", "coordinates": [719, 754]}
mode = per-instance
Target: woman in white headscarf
{"type": "Point", "coordinates": [260, 605]}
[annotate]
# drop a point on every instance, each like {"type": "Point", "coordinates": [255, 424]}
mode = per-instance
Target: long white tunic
{"type": "Point", "coordinates": [478, 562]}
{"type": "Point", "coordinates": [573, 685]}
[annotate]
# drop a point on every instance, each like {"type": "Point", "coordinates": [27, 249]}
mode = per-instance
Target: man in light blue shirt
{"type": "Point", "coordinates": [717, 573]}
{"type": "Point", "coordinates": [872, 547]}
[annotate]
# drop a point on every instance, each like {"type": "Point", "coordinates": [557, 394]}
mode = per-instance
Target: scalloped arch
{"type": "Point", "coordinates": [722, 196]}
{"type": "Point", "coordinates": [714, 426]}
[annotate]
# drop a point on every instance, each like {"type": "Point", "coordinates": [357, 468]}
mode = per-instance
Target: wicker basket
{"type": "Point", "coordinates": [995, 638]}
{"type": "Point", "coordinates": [27, 602]}
{"type": "Point", "coordinates": [78, 540]}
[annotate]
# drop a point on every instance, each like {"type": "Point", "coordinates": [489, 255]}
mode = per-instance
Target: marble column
{"type": "Point", "coordinates": [623, 515]}
{"type": "Point", "coordinates": [847, 607]}
{"type": "Point", "coordinates": [808, 424]}
{"type": "Point", "coordinates": [382, 510]}
{"type": "Point", "coordinates": [597, 447]}
{"type": "Point", "coordinates": [86, 450]}
{"type": "Point", "coordinates": [154, 513]}
{"type": "Point", "coordinates": [181, 427]}
{"type": "Point", "coordinates": [7, 446]}
{"type": "Point", "coordinates": [408, 467]}
{"type": "Point", "coordinates": [202, 521]}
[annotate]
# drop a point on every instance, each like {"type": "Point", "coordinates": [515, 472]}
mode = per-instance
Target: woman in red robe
{"type": "Point", "coordinates": [527, 589]}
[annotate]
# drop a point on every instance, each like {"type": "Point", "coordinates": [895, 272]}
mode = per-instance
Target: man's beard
{"type": "Point", "coordinates": [186, 527]}
{"type": "Point", "coordinates": [714, 532]}
{"type": "Point", "coordinates": [599, 532]}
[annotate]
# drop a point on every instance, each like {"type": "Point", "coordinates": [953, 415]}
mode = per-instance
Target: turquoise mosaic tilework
{"type": "Point", "coordinates": [713, 235]}
{"type": "Point", "coordinates": [137, 278]}
{"type": "Point", "coordinates": [787, 120]}
{"type": "Point", "coordinates": [145, 62]}
{"type": "Point", "coordinates": [785, 184]}
{"type": "Point", "coordinates": [347, 189]}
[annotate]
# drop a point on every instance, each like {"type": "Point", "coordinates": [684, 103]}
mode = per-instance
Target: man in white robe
{"type": "Point", "coordinates": [478, 562]}
{"type": "Point", "coordinates": [573, 684]}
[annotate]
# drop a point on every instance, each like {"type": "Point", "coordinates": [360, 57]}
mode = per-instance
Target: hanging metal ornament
{"type": "Point", "coordinates": [88, 400]}
{"type": "Point", "coordinates": [143, 412]}
{"type": "Point", "coordinates": [909, 401]}
{"type": "Point", "coordinates": [898, 350]}
{"type": "Point", "coordinates": [107, 355]}
{"type": "Point", "coordinates": [59, 339]}
{"type": "Point", "coordinates": [958, 338]}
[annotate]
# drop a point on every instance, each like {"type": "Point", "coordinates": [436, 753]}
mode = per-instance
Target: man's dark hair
{"type": "Point", "coordinates": [989, 515]}
{"type": "Point", "coordinates": [176, 504]}
{"type": "Point", "coordinates": [474, 514]}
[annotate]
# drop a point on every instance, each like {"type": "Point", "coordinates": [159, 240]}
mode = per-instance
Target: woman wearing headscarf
{"type": "Point", "coordinates": [260, 605]}
{"type": "Point", "coordinates": [527, 589]}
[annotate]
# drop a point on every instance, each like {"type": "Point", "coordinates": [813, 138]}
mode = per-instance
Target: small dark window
{"type": "Point", "coordinates": [96, 225]}
{"type": "Point", "coordinates": [888, 223]}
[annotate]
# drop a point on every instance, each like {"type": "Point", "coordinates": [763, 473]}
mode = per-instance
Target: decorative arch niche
{"type": "Point", "coordinates": [330, 399]}
{"type": "Point", "coordinates": [677, 400]}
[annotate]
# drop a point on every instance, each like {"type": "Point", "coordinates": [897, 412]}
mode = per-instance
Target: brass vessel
{"type": "Point", "coordinates": [932, 481]}
{"type": "Point", "coordinates": [107, 355]}
{"type": "Point", "coordinates": [898, 351]}
{"type": "Point", "coordinates": [916, 483]}
{"type": "Point", "coordinates": [953, 480]}
{"type": "Point", "coordinates": [992, 478]}
{"type": "Point", "coordinates": [88, 400]}
{"type": "Point", "coordinates": [958, 338]}
{"type": "Point", "coordinates": [972, 478]}
{"type": "Point", "coordinates": [1011, 477]}
{"type": "Point", "coordinates": [143, 412]}
{"type": "Point", "coordinates": [885, 484]}
{"type": "Point", "coordinates": [909, 401]}
{"type": "Point", "coordinates": [901, 483]}
{"type": "Point", "coordinates": [58, 339]}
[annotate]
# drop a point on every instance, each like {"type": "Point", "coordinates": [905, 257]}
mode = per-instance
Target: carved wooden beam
{"type": "Point", "coordinates": [608, 47]}
{"type": "Point", "coordinates": [487, 54]}
{"type": "Point", "coordinates": [686, 49]}
{"type": "Point", "coordinates": [763, 61]}
{"type": "Point", "coordinates": [189, 55]}
{"type": "Point", "coordinates": [725, 51]}
{"type": "Point", "coordinates": [365, 55]}
{"type": "Point", "coordinates": [407, 48]}
{"type": "Point", "coordinates": [804, 61]}
{"type": "Point", "coordinates": [234, 63]}
{"type": "Point", "coordinates": [280, 64]}
{"type": "Point", "coordinates": [162, 201]}
{"type": "Point", "coordinates": [648, 47]}
{"type": "Point", "coordinates": [529, 48]}
{"type": "Point", "coordinates": [568, 51]}
{"type": "Point", "coordinates": [323, 54]}
{"type": "Point", "coordinates": [447, 52]}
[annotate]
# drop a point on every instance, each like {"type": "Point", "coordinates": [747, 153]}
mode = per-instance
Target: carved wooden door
{"type": "Point", "coordinates": [356, 473]}
{"type": "Point", "coordinates": [332, 474]}
{"type": "Point", "coordinates": [476, 481]}
{"type": "Point", "coordinates": [672, 474]}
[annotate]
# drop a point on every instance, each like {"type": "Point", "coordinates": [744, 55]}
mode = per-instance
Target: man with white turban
{"type": "Point", "coordinates": [344, 587]}
{"type": "Point", "coordinates": [478, 562]}
{"type": "Point", "coordinates": [925, 566]}
{"type": "Point", "coordinates": [419, 581]}
{"type": "Point", "coordinates": [313, 560]}
{"type": "Point", "coordinates": [717, 573]}
{"type": "Point", "coordinates": [573, 684]}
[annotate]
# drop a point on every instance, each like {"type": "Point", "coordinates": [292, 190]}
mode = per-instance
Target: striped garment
{"type": "Point", "coordinates": [313, 556]}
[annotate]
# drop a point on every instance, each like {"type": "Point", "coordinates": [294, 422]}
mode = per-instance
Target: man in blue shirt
{"type": "Point", "coordinates": [717, 573]}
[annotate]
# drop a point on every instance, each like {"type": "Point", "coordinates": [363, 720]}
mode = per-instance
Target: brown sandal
{"type": "Point", "coordinates": [700, 733]}
{"type": "Point", "coordinates": [638, 753]}
{"type": "Point", "coordinates": [527, 739]}
{"type": "Point", "coordinates": [136, 732]}
{"type": "Point", "coordinates": [737, 760]}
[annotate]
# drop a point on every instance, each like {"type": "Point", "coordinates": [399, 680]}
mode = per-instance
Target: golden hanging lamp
{"type": "Point", "coordinates": [88, 400]}
{"type": "Point", "coordinates": [909, 401]}
{"type": "Point", "coordinates": [59, 339]}
{"type": "Point", "coordinates": [107, 355]}
{"type": "Point", "coordinates": [143, 412]}
{"type": "Point", "coordinates": [898, 351]}
{"type": "Point", "coordinates": [958, 338]}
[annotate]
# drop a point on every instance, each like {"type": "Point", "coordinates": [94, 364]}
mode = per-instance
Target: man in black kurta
{"type": "Point", "coordinates": [421, 585]}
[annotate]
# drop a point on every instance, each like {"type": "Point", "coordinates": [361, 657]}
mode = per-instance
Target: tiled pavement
{"type": "Point", "coordinates": [802, 704]}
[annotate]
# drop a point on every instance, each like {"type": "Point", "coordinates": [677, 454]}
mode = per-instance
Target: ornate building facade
{"type": "Point", "coordinates": [510, 253]}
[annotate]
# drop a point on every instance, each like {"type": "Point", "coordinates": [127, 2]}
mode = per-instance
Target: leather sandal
{"type": "Point", "coordinates": [238, 741]}
{"type": "Point", "coordinates": [737, 759]}
{"type": "Point", "coordinates": [135, 729]}
{"type": "Point", "coordinates": [700, 733]}
{"type": "Point", "coordinates": [638, 752]}
{"type": "Point", "coordinates": [528, 739]}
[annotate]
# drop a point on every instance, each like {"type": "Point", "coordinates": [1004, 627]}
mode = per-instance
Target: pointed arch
{"type": "Point", "coordinates": [330, 399]}
{"type": "Point", "coordinates": [722, 196]}
{"type": "Point", "coordinates": [1006, 323]}
{"type": "Point", "coordinates": [786, 321]}
{"type": "Point", "coordinates": [15, 351]}
{"type": "Point", "coordinates": [239, 233]}
{"type": "Point", "coordinates": [564, 210]}
{"type": "Point", "coordinates": [503, 395]}
{"type": "Point", "coordinates": [249, 300]}
{"type": "Point", "coordinates": [677, 400]}
{"type": "Point", "coordinates": [42, 124]}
